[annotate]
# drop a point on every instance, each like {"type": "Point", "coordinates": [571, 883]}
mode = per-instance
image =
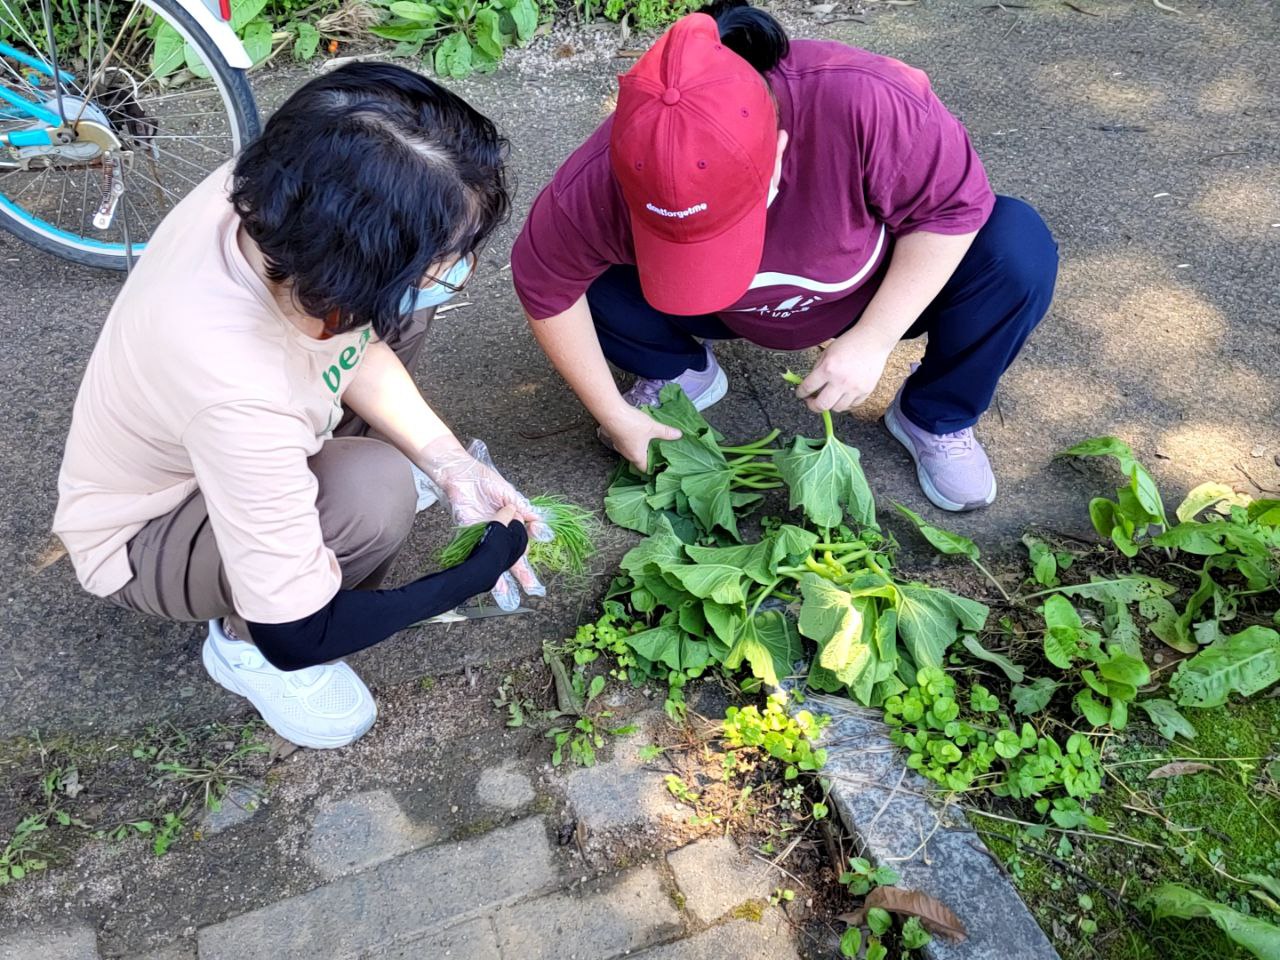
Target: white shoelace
{"type": "Point", "coordinates": [955, 445]}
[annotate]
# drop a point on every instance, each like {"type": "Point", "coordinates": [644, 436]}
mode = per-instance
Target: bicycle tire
{"type": "Point", "coordinates": [242, 113]}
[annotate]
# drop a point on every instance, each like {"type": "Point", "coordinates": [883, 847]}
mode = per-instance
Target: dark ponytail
{"type": "Point", "coordinates": [750, 33]}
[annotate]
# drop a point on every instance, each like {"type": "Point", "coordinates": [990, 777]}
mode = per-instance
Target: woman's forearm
{"type": "Point", "coordinates": [921, 265]}
{"type": "Point", "coordinates": [570, 342]}
{"type": "Point", "coordinates": [384, 395]}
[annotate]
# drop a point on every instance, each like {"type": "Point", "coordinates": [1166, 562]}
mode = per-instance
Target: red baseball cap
{"type": "Point", "coordinates": [693, 147]}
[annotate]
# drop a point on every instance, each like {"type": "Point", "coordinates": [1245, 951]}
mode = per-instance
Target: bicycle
{"type": "Point", "coordinates": [101, 138]}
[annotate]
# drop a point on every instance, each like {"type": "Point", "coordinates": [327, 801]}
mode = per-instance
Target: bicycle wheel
{"type": "Point", "coordinates": [149, 107]}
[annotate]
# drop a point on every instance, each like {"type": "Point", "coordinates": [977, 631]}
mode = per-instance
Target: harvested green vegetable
{"type": "Point", "coordinates": [576, 531]}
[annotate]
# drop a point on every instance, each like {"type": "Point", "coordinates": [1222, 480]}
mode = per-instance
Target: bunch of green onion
{"type": "Point", "coordinates": [569, 552]}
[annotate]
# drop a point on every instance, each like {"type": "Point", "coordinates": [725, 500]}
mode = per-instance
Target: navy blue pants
{"type": "Point", "coordinates": [976, 325]}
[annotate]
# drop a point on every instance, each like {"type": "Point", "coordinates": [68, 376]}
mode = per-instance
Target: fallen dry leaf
{"type": "Point", "coordinates": [1180, 768]}
{"type": "Point", "coordinates": [934, 914]}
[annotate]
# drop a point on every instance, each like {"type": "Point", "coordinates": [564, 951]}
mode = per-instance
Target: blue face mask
{"type": "Point", "coordinates": [434, 294]}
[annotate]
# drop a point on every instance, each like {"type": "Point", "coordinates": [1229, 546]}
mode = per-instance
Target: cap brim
{"type": "Point", "coordinates": [689, 279]}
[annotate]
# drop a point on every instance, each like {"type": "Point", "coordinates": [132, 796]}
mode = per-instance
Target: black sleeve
{"type": "Point", "coordinates": [356, 619]}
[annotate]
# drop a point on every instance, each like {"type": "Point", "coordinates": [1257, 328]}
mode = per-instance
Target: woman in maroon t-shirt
{"type": "Point", "coordinates": [790, 194]}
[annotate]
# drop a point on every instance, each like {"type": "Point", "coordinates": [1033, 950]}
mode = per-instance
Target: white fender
{"type": "Point", "coordinates": [217, 29]}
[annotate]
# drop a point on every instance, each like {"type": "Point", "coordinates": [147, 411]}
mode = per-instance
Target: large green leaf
{"type": "Point", "coordinates": [1034, 696]}
{"type": "Point", "coordinates": [843, 628]}
{"type": "Point", "coordinates": [1065, 638]}
{"type": "Point", "coordinates": [944, 541]}
{"type": "Point", "coordinates": [660, 551]}
{"type": "Point", "coordinates": [525, 15]}
{"type": "Point", "coordinates": [488, 33]}
{"type": "Point", "coordinates": [790, 541]}
{"type": "Point", "coordinates": [1259, 937]}
{"type": "Point", "coordinates": [1166, 719]}
{"type": "Point", "coordinates": [1131, 588]}
{"type": "Point", "coordinates": [1010, 669]}
{"type": "Point", "coordinates": [1207, 495]}
{"type": "Point", "coordinates": [767, 643]}
{"type": "Point", "coordinates": [257, 38]}
{"type": "Point", "coordinates": [1244, 663]}
{"type": "Point", "coordinates": [826, 481]}
{"type": "Point", "coordinates": [167, 51]}
{"type": "Point", "coordinates": [1165, 624]}
{"type": "Point", "coordinates": [692, 455]}
{"type": "Point", "coordinates": [660, 644]}
{"type": "Point", "coordinates": [417, 12]}
{"type": "Point", "coordinates": [711, 499]}
{"type": "Point", "coordinates": [308, 41]}
{"type": "Point", "coordinates": [453, 56]}
{"type": "Point", "coordinates": [244, 12]}
{"type": "Point", "coordinates": [930, 620]}
{"type": "Point", "coordinates": [670, 645]}
{"type": "Point", "coordinates": [724, 620]}
{"type": "Point", "coordinates": [676, 410]}
{"type": "Point", "coordinates": [710, 581]}
{"type": "Point", "coordinates": [755, 559]}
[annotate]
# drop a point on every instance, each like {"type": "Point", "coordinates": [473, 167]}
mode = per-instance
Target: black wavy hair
{"type": "Point", "coordinates": [752, 34]}
{"type": "Point", "coordinates": [360, 181]}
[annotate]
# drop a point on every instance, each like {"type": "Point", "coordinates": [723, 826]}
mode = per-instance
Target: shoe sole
{"type": "Point", "coordinates": [226, 679]}
{"type": "Point", "coordinates": [714, 393]}
{"type": "Point", "coordinates": [926, 484]}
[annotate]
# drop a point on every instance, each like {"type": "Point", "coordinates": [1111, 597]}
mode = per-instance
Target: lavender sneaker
{"type": "Point", "coordinates": [952, 467]}
{"type": "Point", "coordinates": [702, 387]}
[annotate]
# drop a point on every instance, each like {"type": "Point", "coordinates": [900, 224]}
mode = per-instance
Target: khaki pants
{"type": "Point", "coordinates": [366, 501]}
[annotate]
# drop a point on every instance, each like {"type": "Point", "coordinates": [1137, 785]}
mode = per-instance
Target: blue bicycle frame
{"type": "Point", "coordinates": [40, 137]}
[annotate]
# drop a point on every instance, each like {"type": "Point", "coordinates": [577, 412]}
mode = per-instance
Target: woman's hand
{"type": "Point", "coordinates": [630, 431]}
{"type": "Point", "coordinates": [477, 493]}
{"type": "Point", "coordinates": [846, 373]}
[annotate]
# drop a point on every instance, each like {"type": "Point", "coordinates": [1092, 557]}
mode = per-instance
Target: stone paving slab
{"type": "Point", "coordinates": [623, 790]}
{"type": "Point", "coordinates": [357, 832]}
{"type": "Point", "coordinates": [739, 939]}
{"type": "Point", "coordinates": [631, 913]}
{"type": "Point", "coordinates": [178, 950]}
{"type": "Point", "coordinates": [932, 847]}
{"type": "Point", "coordinates": [714, 877]}
{"type": "Point", "coordinates": [504, 787]}
{"type": "Point", "coordinates": [473, 940]}
{"type": "Point", "coordinates": [395, 901]}
{"type": "Point", "coordinates": [51, 943]}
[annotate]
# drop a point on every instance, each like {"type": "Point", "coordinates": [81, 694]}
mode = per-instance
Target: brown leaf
{"type": "Point", "coordinates": [854, 919]}
{"type": "Point", "coordinates": [1180, 768]}
{"type": "Point", "coordinates": [934, 914]}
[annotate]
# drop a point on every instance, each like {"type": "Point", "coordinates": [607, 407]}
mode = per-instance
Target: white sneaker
{"type": "Point", "coordinates": [325, 706]}
{"type": "Point", "coordinates": [428, 492]}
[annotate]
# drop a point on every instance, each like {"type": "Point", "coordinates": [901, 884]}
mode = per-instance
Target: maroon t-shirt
{"type": "Point", "coordinates": [873, 155]}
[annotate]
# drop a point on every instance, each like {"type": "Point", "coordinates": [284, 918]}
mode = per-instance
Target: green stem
{"type": "Point", "coordinates": [754, 445]}
{"type": "Point", "coordinates": [741, 483]}
{"type": "Point", "coordinates": [764, 593]}
{"type": "Point", "coordinates": [987, 573]}
{"type": "Point", "coordinates": [826, 422]}
{"type": "Point", "coordinates": [764, 469]}
{"type": "Point", "coordinates": [877, 568]}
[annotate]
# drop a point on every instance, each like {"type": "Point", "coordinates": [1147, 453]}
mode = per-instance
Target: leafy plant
{"type": "Point", "coordinates": [712, 598]}
{"type": "Point", "coordinates": [1256, 935]}
{"type": "Point", "coordinates": [778, 734]}
{"type": "Point", "coordinates": [643, 14]}
{"type": "Point", "coordinates": [958, 750]}
{"type": "Point", "coordinates": [459, 36]}
{"type": "Point", "coordinates": [21, 854]}
{"type": "Point", "coordinates": [574, 544]}
{"type": "Point", "coordinates": [1244, 663]}
{"type": "Point", "coordinates": [861, 877]}
{"type": "Point", "coordinates": [1138, 507]}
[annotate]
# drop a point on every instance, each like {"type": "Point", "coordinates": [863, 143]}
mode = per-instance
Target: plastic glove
{"type": "Point", "coordinates": [476, 491]}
